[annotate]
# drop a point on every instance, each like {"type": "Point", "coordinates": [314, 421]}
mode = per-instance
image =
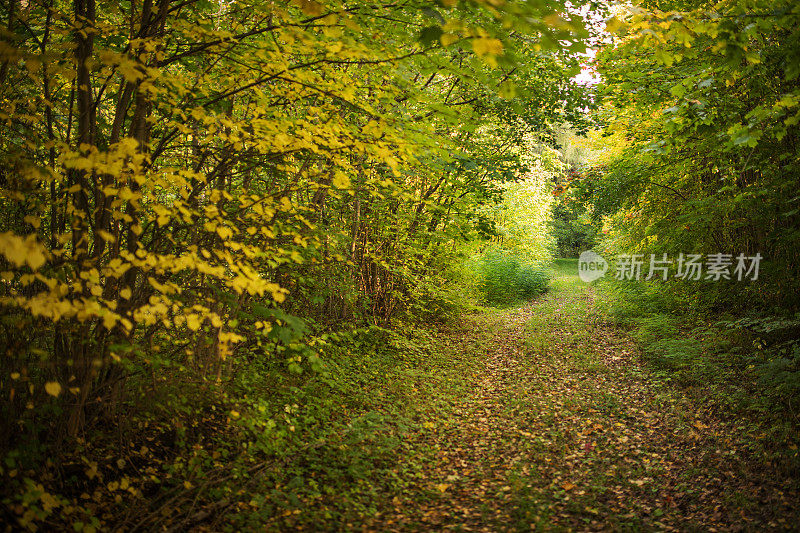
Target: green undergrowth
{"type": "Point", "coordinates": [744, 361]}
{"type": "Point", "coordinates": [352, 424]}
{"type": "Point", "coordinates": [503, 278]}
{"type": "Point", "coordinates": [274, 447]}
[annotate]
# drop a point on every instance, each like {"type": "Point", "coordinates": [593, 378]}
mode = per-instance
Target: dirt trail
{"type": "Point", "coordinates": [564, 430]}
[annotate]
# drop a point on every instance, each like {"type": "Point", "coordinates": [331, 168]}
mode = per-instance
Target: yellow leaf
{"type": "Point", "coordinates": [487, 46]}
{"type": "Point", "coordinates": [20, 250]}
{"type": "Point", "coordinates": [125, 293]}
{"type": "Point", "coordinates": [33, 221]}
{"type": "Point", "coordinates": [555, 20]}
{"type": "Point", "coordinates": [110, 320]}
{"type": "Point", "coordinates": [441, 487]}
{"type": "Point", "coordinates": [49, 502]}
{"type": "Point", "coordinates": [341, 180]}
{"type": "Point", "coordinates": [193, 322]}
{"type": "Point", "coordinates": [224, 232]}
{"type": "Point", "coordinates": [52, 388]}
{"type": "Point", "coordinates": [613, 25]}
{"type": "Point", "coordinates": [448, 39]}
{"type": "Point", "coordinates": [108, 237]}
{"type": "Point", "coordinates": [508, 90]}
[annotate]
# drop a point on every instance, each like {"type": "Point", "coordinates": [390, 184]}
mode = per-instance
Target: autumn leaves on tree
{"type": "Point", "coordinates": [178, 176]}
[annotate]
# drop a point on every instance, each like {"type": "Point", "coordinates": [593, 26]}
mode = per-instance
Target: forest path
{"type": "Point", "coordinates": [562, 429]}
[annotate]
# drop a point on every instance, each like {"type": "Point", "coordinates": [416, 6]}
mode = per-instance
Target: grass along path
{"type": "Point", "coordinates": [562, 429]}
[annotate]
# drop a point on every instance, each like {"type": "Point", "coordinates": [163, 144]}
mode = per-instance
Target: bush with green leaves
{"type": "Point", "coordinates": [506, 278]}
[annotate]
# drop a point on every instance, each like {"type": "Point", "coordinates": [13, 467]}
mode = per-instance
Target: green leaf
{"type": "Point", "coordinates": [430, 35]}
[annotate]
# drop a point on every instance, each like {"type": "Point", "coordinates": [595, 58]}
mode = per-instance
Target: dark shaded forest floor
{"type": "Point", "coordinates": [563, 429]}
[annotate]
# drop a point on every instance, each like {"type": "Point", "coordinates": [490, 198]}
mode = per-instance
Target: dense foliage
{"type": "Point", "coordinates": [234, 237]}
{"type": "Point", "coordinates": [194, 196]}
{"type": "Point", "coordinates": [700, 156]}
{"type": "Point", "coordinates": [505, 278]}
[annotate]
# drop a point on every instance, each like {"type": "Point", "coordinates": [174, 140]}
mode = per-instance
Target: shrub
{"type": "Point", "coordinates": [531, 281]}
{"type": "Point", "coordinates": [505, 278]}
